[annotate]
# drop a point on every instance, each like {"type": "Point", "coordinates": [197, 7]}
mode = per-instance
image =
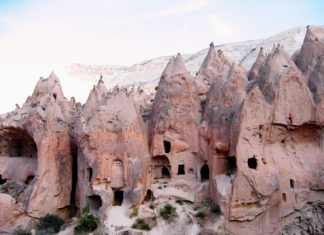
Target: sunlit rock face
{"type": "Point", "coordinates": [279, 152]}
{"type": "Point", "coordinates": [113, 152]}
{"type": "Point", "coordinates": [174, 123]}
{"type": "Point", "coordinates": [36, 156]}
{"type": "Point", "coordinates": [250, 140]}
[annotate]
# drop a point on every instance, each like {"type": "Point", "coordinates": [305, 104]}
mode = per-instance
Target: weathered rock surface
{"type": "Point", "coordinates": [174, 123]}
{"type": "Point", "coordinates": [113, 152]}
{"type": "Point", "coordinates": [36, 151]}
{"type": "Point", "coordinates": [254, 138]}
{"type": "Point", "coordinates": [311, 50]}
{"type": "Point", "coordinates": [254, 71]}
{"type": "Point", "coordinates": [211, 68]}
{"type": "Point", "coordinates": [279, 152]}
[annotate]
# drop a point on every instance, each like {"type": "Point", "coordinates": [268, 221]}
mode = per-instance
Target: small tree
{"type": "Point", "coordinates": [50, 223]}
{"type": "Point", "coordinates": [168, 212]}
{"type": "Point", "coordinates": [87, 223]}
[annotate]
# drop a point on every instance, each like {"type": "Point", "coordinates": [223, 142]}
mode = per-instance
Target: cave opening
{"type": "Point", "coordinates": [90, 173]}
{"type": "Point", "coordinates": [95, 203]}
{"type": "Point", "coordinates": [165, 172]}
{"type": "Point", "coordinates": [167, 146]}
{"type": "Point", "coordinates": [2, 181]}
{"type": "Point", "coordinates": [231, 160]}
{"type": "Point", "coordinates": [118, 197]}
{"type": "Point", "coordinates": [204, 173]}
{"type": "Point", "coordinates": [292, 183]}
{"type": "Point", "coordinates": [181, 168]}
{"type": "Point", "coordinates": [161, 167]}
{"type": "Point", "coordinates": [29, 179]}
{"type": "Point", "coordinates": [252, 163]}
{"type": "Point", "coordinates": [284, 197]}
{"type": "Point", "coordinates": [149, 195]}
{"type": "Point", "coordinates": [17, 142]}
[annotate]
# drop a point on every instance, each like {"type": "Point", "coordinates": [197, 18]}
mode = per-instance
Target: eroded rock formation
{"type": "Point", "coordinates": [252, 141]}
{"type": "Point", "coordinates": [113, 152]}
{"type": "Point", "coordinates": [174, 123]}
{"type": "Point", "coordinates": [36, 155]}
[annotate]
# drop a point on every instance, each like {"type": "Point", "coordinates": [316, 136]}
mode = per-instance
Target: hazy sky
{"type": "Point", "coordinates": [128, 31]}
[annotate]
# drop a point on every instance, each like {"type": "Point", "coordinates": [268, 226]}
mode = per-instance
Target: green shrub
{"type": "Point", "coordinates": [87, 222]}
{"type": "Point", "coordinates": [200, 215]}
{"type": "Point", "coordinates": [21, 231]}
{"type": "Point", "coordinates": [180, 202]}
{"type": "Point", "coordinates": [140, 224]}
{"type": "Point", "coordinates": [152, 206]}
{"type": "Point", "coordinates": [207, 202]}
{"type": "Point", "coordinates": [168, 212]}
{"type": "Point", "coordinates": [50, 223]}
{"type": "Point", "coordinates": [215, 209]}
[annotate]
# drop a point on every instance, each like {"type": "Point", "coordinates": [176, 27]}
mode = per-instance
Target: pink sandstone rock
{"type": "Point", "coordinates": [36, 140]}
{"type": "Point", "coordinates": [254, 71]}
{"type": "Point", "coordinates": [312, 48]}
{"type": "Point", "coordinates": [174, 123]}
{"type": "Point", "coordinates": [113, 152]}
{"type": "Point", "coordinates": [257, 144]}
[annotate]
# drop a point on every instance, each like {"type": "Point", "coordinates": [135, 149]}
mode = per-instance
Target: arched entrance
{"type": "Point", "coordinates": [181, 168]}
{"type": "Point", "coordinates": [17, 147]}
{"type": "Point", "coordinates": [118, 197]}
{"type": "Point", "coordinates": [161, 167]}
{"type": "Point", "coordinates": [16, 142]}
{"type": "Point", "coordinates": [148, 196]}
{"type": "Point", "coordinates": [165, 172]}
{"type": "Point", "coordinates": [204, 173]}
{"type": "Point", "coordinates": [94, 202]}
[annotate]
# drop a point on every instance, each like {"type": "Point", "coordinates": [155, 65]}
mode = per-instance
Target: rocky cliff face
{"type": "Point", "coordinates": [174, 123]}
{"type": "Point", "coordinates": [36, 155]}
{"type": "Point", "coordinates": [279, 153]}
{"type": "Point", "coordinates": [251, 140]}
{"type": "Point", "coordinates": [111, 166]}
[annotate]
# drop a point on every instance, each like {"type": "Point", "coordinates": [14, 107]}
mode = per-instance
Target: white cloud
{"type": "Point", "coordinates": [220, 28]}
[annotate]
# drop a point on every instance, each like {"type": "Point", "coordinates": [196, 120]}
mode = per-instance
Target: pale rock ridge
{"type": "Point", "coordinates": [254, 71]}
{"type": "Point", "coordinates": [277, 65]}
{"type": "Point", "coordinates": [208, 70]}
{"type": "Point", "coordinates": [316, 84]}
{"type": "Point", "coordinates": [311, 49]}
{"type": "Point", "coordinates": [95, 97]}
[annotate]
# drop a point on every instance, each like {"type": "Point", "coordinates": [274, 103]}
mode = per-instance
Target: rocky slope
{"type": "Point", "coordinates": [249, 141]}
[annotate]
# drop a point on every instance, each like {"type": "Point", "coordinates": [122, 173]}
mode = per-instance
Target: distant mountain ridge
{"type": "Point", "coordinates": [145, 74]}
{"type": "Point", "coordinates": [148, 72]}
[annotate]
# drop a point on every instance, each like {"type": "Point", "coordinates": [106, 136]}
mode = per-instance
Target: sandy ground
{"type": "Point", "coordinates": [165, 191]}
